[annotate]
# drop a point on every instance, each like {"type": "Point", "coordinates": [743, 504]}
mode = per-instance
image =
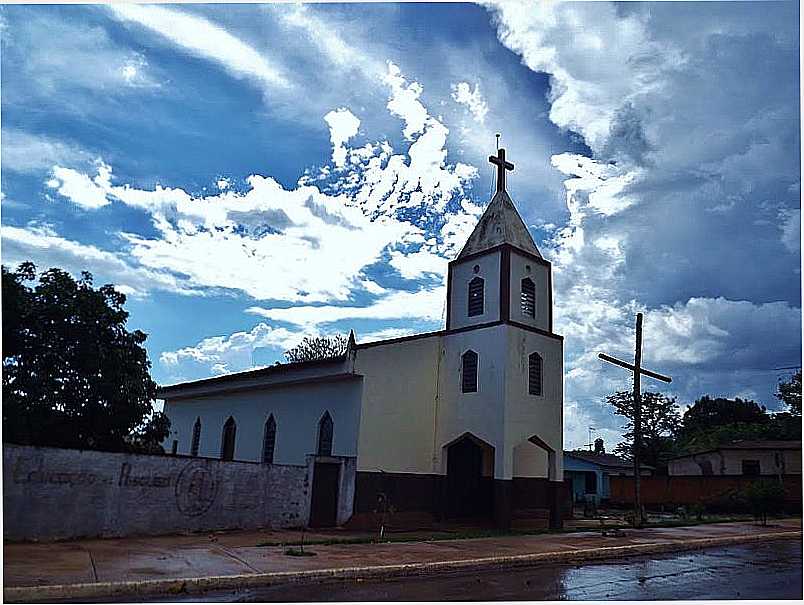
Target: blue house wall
{"type": "Point", "coordinates": [576, 470]}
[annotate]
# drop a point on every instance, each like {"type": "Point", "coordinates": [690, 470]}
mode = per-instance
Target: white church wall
{"type": "Point", "coordinates": [522, 267]}
{"type": "Point", "coordinates": [399, 391]}
{"type": "Point", "coordinates": [297, 411]}
{"type": "Point", "coordinates": [527, 415]}
{"type": "Point", "coordinates": [462, 274]}
{"type": "Point", "coordinates": [529, 460]}
{"type": "Point", "coordinates": [479, 413]}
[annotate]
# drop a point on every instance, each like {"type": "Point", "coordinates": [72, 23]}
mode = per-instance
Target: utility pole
{"type": "Point", "coordinates": [638, 371]}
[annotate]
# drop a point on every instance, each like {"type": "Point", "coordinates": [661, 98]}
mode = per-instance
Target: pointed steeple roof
{"type": "Point", "coordinates": [500, 223]}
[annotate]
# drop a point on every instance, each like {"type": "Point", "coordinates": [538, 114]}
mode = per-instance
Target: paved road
{"type": "Point", "coordinates": [771, 571]}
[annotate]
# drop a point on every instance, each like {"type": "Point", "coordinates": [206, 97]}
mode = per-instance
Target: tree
{"type": "Point", "coordinates": [709, 413]}
{"type": "Point", "coordinates": [318, 347]}
{"type": "Point", "coordinates": [790, 394]}
{"type": "Point", "coordinates": [659, 418]}
{"type": "Point", "coordinates": [711, 422]}
{"type": "Point", "coordinates": [73, 375]}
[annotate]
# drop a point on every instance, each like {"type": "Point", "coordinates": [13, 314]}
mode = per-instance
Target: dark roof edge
{"type": "Point", "coordinates": [237, 388]}
{"type": "Point", "coordinates": [793, 445]}
{"type": "Point", "coordinates": [621, 464]}
{"type": "Point", "coordinates": [537, 259]}
{"type": "Point", "coordinates": [489, 324]}
{"type": "Point", "coordinates": [247, 374]}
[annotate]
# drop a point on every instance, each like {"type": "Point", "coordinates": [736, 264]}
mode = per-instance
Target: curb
{"type": "Point", "coordinates": [142, 588]}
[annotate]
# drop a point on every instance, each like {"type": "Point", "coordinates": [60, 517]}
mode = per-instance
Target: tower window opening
{"type": "Point", "coordinates": [475, 306]}
{"type": "Point", "coordinates": [527, 298]}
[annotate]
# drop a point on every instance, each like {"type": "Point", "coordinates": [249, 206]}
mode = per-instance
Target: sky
{"type": "Point", "coordinates": [251, 174]}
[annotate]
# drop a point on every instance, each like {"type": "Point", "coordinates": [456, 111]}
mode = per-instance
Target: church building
{"type": "Point", "coordinates": [462, 423]}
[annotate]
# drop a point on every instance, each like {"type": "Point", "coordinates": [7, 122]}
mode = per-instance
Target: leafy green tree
{"type": "Point", "coordinates": [73, 375]}
{"type": "Point", "coordinates": [318, 347]}
{"type": "Point", "coordinates": [709, 413]}
{"type": "Point", "coordinates": [712, 422]}
{"type": "Point", "coordinates": [790, 394]}
{"type": "Point", "coordinates": [660, 416]}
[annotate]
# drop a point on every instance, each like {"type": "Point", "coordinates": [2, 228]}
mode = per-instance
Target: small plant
{"type": "Point", "coordinates": [298, 552]}
{"type": "Point", "coordinates": [698, 509]}
{"type": "Point", "coordinates": [764, 498]}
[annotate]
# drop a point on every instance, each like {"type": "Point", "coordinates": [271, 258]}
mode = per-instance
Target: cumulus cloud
{"type": "Point", "coordinates": [81, 189]}
{"type": "Point", "coordinates": [304, 235]}
{"type": "Point", "coordinates": [343, 125]}
{"type": "Point", "coordinates": [232, 352]}
{"type": "Point", "coordinates": [473, 100]}
{"type": "Point", "coordinates": [41, 244]}
{"type": "Point", "coordinates": [404, 101]}
{"type": "Point", "coordinates": [678, 198]}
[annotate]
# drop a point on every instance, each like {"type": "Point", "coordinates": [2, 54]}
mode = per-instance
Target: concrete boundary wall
{"type": "Point", "coordinates": [51, 494]}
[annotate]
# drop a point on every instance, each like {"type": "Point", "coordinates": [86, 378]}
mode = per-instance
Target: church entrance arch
{"type": "Point", "coordinates": [470, 478]}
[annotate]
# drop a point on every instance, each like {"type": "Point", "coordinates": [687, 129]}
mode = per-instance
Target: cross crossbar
{"type": "Point", "coordinates": [636, 416]}
{"type": "Point", "coordinates": [629, 366]}
{"type": "Point", "coordinates": [502, 165]}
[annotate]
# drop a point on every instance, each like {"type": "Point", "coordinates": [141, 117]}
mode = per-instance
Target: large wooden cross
{"type": "Point", "coordinates": [638, 371]}
{"type": "Point", "coordinates": [502, 166]}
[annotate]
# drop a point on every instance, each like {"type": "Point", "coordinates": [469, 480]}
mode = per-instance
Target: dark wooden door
{"type": "Point", "coordinates": [469, 494]}
{"type": "Point", "coordinates": [324, 505]}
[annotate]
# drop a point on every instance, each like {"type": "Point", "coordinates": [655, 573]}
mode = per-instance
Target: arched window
{"type": "Point", "coordinates": [535, 374]}
{"type": "Point", "coordinates": [325, 430]}
{"type": "Point", "coordinates": [476, 296]}
{"type": "Point", "coordinates": [469, 372]}
{"type": "Point", "coordinates": [527, 298]}
{"type": "Point", "coordinates": [196, 437]}
{"type": "Point", "coordinates": [269, 440]}
{"type": "Point", "coordinates": [228, 439]}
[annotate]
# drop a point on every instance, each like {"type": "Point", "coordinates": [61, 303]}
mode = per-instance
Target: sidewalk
{"type": "Point", "coordinates": [156, 565]}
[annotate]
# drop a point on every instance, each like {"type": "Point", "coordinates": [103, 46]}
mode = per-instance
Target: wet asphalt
{"type": "Point", "coordinates": [757, 571]}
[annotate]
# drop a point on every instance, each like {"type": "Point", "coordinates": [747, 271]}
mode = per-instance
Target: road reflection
{"type": "Point", "coordinates": [766, 571]}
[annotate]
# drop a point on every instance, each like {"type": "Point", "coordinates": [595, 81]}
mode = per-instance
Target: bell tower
{"type": "Point", "coordinates": [499, 275]}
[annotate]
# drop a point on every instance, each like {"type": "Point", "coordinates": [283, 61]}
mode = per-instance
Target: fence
{"type": "Point", "coordinates": [51, 493]}
{"type": "Point", "coordinates": [711, 490]}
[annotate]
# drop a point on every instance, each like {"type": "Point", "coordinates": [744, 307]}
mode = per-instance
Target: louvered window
{"type": "Point", "coordinates": [469, 373]}
{"type": "Point", "coordinates": [269, 440]}
{"type": "Point", "coordinates": [325, 430]}
{"type": "Point", "coordinates": [535, 374]}
{"type": "Point", "coordinates": [476, 296]}
{"type": "Point", "coordinates": [196, 437]}
{"type": "Point", "coordinates": [527, 298]}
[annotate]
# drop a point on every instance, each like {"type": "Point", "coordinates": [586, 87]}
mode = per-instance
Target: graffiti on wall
{"type": "Point", "coordinates": [195, 485]}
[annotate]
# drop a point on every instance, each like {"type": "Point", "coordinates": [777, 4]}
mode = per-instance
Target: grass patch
{"type": "Point", "coordinates": [470, 534]}
{"type": "Point", "coordinates": [298, 552]}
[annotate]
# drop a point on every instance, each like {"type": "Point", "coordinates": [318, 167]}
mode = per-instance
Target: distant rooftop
{"type": "Point", "coordinates": [756, 444]}
{"type": "Point", "coordinates": [608, 460]}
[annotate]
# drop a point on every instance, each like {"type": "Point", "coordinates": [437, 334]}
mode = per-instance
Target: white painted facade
{"type": "Point", "coordinates": [398, 405]}
{"type": "Point", "coordinates": [297, 410]}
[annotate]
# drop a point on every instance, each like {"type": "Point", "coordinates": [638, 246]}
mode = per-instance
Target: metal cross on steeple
{"type": "Point", "coordinates": [502, 166]}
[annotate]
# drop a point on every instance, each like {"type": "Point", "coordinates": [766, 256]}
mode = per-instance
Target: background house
{"type": "Point", "coordinates": [747, 458]}
{"type": "Point", "coordinates": [590, 472]}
